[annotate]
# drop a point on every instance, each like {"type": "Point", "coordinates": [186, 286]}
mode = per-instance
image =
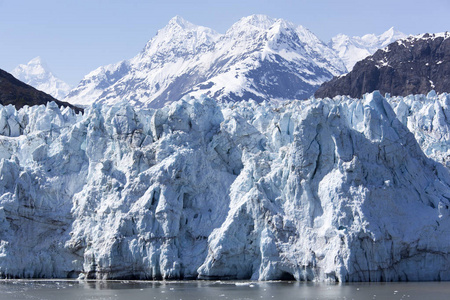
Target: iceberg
{"type": "Point", "coordinates": [320, 190]}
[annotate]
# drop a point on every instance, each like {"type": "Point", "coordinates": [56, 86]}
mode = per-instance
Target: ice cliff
{"type": "Point", "coordinates": [335, 189]}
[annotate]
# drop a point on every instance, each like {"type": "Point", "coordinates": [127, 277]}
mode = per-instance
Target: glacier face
{"type": "Point", "coordinates": [427, 117]}
{"type": "Point", "coordinates": [332, 189]}
{"type": "Point", "coordinates": [258, 58]}
{"type": "Point", "coordinates": [37, 74]}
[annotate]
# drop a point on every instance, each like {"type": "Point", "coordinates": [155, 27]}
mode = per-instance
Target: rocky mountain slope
{"type": "Point", "coordinates": [414, 65]}
{"type": "Point", "coordinates": [353, 49]}
{"type": "Point", "coordinates": [19, 94]}
{"type": "Point", "coordinates": [328, 189]}
{"type": "Point", "coordinates": [37, 74]}
{"type": "Point", "coordinates": [258, 58]}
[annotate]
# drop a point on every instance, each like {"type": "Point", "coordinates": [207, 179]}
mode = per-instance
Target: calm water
{"type": "Point", "coordinates": [188, 290]}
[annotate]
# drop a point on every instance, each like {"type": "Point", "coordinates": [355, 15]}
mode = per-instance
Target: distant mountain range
{"type": "Point", "coordinates": [38, 75]}
{"type": "Point", "coordinates": [414, 65]}
{"type": "Point", "coordinates": [258, 58]}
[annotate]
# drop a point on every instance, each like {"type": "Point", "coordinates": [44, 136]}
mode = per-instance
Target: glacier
{"type": "Point", "coordinates": [321, 190]}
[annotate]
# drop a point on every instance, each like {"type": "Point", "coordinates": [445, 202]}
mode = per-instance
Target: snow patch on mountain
{"type": "Point", "coordinates": [353, 49]}
{"type": "Point", "coordinates": [333, 189]}
{"type": "Point", "coordinates": [37, 74]}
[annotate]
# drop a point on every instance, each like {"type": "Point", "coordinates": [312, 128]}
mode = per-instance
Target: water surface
{"type": "Point", "coordinates": [190, 290]}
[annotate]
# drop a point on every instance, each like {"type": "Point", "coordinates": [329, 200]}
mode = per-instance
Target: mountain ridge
{"type": "Point", "coordinates": [182, 40]}
{"type": "Point", "coordinates": [414, 65]}
{"type": "Point", "coordinates": [196, 60]}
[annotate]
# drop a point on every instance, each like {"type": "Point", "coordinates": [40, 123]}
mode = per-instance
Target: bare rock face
{"type": "Point", "coordinates": [415, 65]}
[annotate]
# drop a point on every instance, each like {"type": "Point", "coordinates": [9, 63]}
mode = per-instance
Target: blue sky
{"type": "Point", "coordinates": [76, 36]}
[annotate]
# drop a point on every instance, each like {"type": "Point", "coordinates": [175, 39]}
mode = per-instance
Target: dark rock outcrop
{"type": "Point", "coordinates": [414, 65]}
{"type": "Point", "coordinates": [19, 94]}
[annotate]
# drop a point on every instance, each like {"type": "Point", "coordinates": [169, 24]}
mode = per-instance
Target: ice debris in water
{"type": "Point", "coordinates": [325, 189]}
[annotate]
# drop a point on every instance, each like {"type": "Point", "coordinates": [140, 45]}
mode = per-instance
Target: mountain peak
{"type": "Point", "coordinates": [36, 67]}
{"type": "Point", "coordinates": [36, 61]}
{"type": "Point", "coordinates": [284, 24]}
{"type": "Point", "coordinates": [259, 21]}
{"type": "Point", "coordinates": [179, 37]}
{"type": "Point", "coordinates": [391, 35]}
{"type": "Point", "coordinates": [37, 74]}
{"type": "Point", "coordinates": [179, 26]}
{"type": "Point", "coordinates": [180, 22]}
{"type": "Point", "coordinates": [390, 31]}
{"type": "Point", "coordinates": [356, 48]}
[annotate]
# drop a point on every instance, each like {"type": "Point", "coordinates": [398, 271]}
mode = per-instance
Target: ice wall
{"type": "Point", "coordinates": [316, 190]}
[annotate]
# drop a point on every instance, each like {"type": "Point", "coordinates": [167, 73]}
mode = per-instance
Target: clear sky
{"type": "Point", "coordinates": [76, 36]}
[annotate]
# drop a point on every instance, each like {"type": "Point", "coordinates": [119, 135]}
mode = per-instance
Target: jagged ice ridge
{"type": "Point", "coordinates": [333, 189]}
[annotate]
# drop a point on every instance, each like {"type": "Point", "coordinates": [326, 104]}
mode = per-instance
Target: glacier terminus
{"type": "Point", "coordinates": [323, 189]}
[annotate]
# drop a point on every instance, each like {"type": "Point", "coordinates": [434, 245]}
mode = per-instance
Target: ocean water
{"type": "Point", "coordinates": [189, 290]}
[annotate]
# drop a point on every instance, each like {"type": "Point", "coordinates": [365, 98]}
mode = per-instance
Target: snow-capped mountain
{"type": "Point", "coordinates": [37, 74]}
{"type": "Point", "coordinates": [322, 189]}
{"type": "Point", "coordinates": [354, 49]}
{"type": "Point", "coordinates": [258, 58]}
